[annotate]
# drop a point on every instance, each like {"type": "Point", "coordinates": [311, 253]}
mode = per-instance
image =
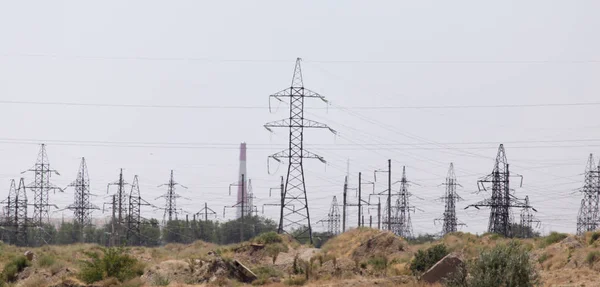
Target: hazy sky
{"type": "Point", "coordinates": [226, 57]}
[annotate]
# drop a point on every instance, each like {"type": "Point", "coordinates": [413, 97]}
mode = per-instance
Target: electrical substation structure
{"type": "Point", "coordinates": [295, 215]}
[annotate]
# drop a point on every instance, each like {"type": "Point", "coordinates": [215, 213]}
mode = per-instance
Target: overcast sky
{"type": "Point", "coordinates": [225, 58]}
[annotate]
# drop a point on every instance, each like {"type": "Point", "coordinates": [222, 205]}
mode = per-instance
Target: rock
{"type": "Point", "coordinates": [571, 242]}
{"type": "Point", "coordinates": [243, 273]}
{"type": "Point", "coordinates": [443, 268]}
{"type": "Point", "coordinates": [29, 255]}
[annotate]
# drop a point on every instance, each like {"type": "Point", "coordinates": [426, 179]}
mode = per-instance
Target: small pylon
{"type": "Point", "coordinates": [170, 199]}
{"type": "Point", "coordinates": [527, 220]}
{"type": "Point", "coordinates": [41, 187]}
{"type": "Point", "coordinates": [134, 216]}
{"type": "Point", "coordinates": [82, 207]}
{"type": "Point", "coordinates": [449, 220]}
{"type": "Point", "coordinates": [587, 218]}
{"type": "Point", "coordinates": [333, 218]}
{"type": "Point", "coordinates": [20, 219]}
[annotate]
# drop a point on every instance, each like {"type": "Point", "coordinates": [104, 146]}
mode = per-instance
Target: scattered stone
{"type": "Point", "coordinates": [29, 255]}
{"type": "Point", "coordinates": [443, 268]}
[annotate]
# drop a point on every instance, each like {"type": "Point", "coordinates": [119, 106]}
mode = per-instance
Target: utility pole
{"type": "Point", "coordinates": [501, 200]}
{"type": "Point", "coordinates": [242, 203]}
{"type": "Point", "coordinates": [345, 195]}
{"type": "Point", "coordinates": [388, 209]}
{"type": "Point", "coordinates": [206, 210]}
{"type": "Point", "coordinates": [359, 197]}
{"type": "Point", "coordinates": [119, 207]}
{"type": "Point", "coordinates": [295, 187]}
{"type": "Point", "coordinates": [389, 194]}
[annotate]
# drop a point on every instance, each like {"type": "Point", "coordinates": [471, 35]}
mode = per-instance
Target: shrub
{"type": "Point", "coordinates": [425, 259]}
{"type": "Point", "coordinates": [273, 250]}
{"type": "Point", "coordinates": [160, 280]}
{"type": "Point", "coordinates": [504, 265]}
{"type": "Point", "coordinates": [115, 263]}
{"type": "Point", "coordinates": [46, 261]}
{"type": "Point", "coordinates": [554, 237]}
{"type": "Point", "coordinates": [268, 238]}
{"type": "Point", "coordinates": [379, 263]}
{"type": "Point", "coordinates": [543, 258]}
{"type": "Point", "coordinates": [295, 281]}
{"type": "Point", "coordinates": [592, 257]}
{"type": "Point", "coordinates": [594, 237]}
{"type": "Point", "coordinates": [12, 269]}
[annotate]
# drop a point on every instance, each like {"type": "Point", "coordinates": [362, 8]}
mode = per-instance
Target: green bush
{"type": "Point", "coordinates": [12, 269]}
{"type": "Point", "coordinates": [379, 263]}
{"type": "Point", "coordinates": [160, 280]}
{"type": "Point", "coordinates": [592, 257]}
{"type": "Point", "coordinates": [554, 237]}
{"type": "Point", "coordinates": [425, 259]}
{"type": "Point", "coordinates": [295, 281]}
{"type": "Point", "coordinates": [114, 263]}
{"type": "Point", "coordinates": [594, 237]}
{"type": "Point", "coordinates": [268, 238]}
{"type": "Point", "coordinates": [46, 261]}
{"type": "Point", "coordinates": [543, 258]}
{"type": "Point", "coordinates": [506, 265]}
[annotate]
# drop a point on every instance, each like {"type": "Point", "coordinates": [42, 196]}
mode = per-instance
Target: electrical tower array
{"type": "Point", "coordinates": [501, 201]}
{"type": "Point", "coordinates": [587, 218]}
{"type": "Point", "coordinates": [449, 220]}
{"type": "Point", "coordinates": [295, 215]}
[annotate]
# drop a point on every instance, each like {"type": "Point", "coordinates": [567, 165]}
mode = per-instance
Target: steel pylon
{"type": "Point", "coordinates": [449, 220]}
{"type": "Point", "coordinates": [587, 218]}
{"type": "Point", "coordinates": [295, 216]}
{"type": "Point", "coordinates": [501, 200]}
{"type": "Point", "coordinates": [82, 207]}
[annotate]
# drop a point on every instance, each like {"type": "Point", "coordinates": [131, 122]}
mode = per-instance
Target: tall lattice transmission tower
{"type": "Point", "coordinates": [527, 220]}
{"type": "Point", "coordinates": [171, 199]}
{"type": "Point", "coordinates": [449, 220]}
{"type": "Point", "coordinates": [20, 214]}
{"type": "Point", "coordinates": [134, 216]}
{"type": "Point", "coordinates": [404, 208]}
{"type": "Point", "coordinates": [82, 207]}
{"type": "Point", "coordinates": [502, 200]}
{"type": "Point", "coordinates": [8, 213]}
{"type": "Point", "coordinates": [41, 188]}
{"type": "Point", "coordinates": [587, 219]}
{"type": "Point", "coordinates": [295, 213]}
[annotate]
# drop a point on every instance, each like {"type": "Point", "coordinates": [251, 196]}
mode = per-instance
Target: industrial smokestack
{"type": "Point", "coordinates": [242, 195]}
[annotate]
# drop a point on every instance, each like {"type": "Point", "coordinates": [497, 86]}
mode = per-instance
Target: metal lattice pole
{"type": "Point", "coordinates": [41, 187]}
{"type": "Point", "coordinates": [171, 197]}
{"type": "Point", "coordinates": [449, 220]}
{"type": "Point", "coordinates": [587, 218]}
{"type": "Point", "coordinates": [82, 207]}
{"type": "Point", "coordinates": [21, 220]}
{"type": "Point", "coordinates": [527, 220]}
{"type": "Point", "coordinates": [502, 200]}
{"type": "Point", "coordinates": [134, 217]}
{"type": "Point", "coordinates": [296, 220]}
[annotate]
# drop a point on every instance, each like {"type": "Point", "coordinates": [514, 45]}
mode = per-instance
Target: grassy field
{"type": "Point", "coordinates": [359, 257]}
